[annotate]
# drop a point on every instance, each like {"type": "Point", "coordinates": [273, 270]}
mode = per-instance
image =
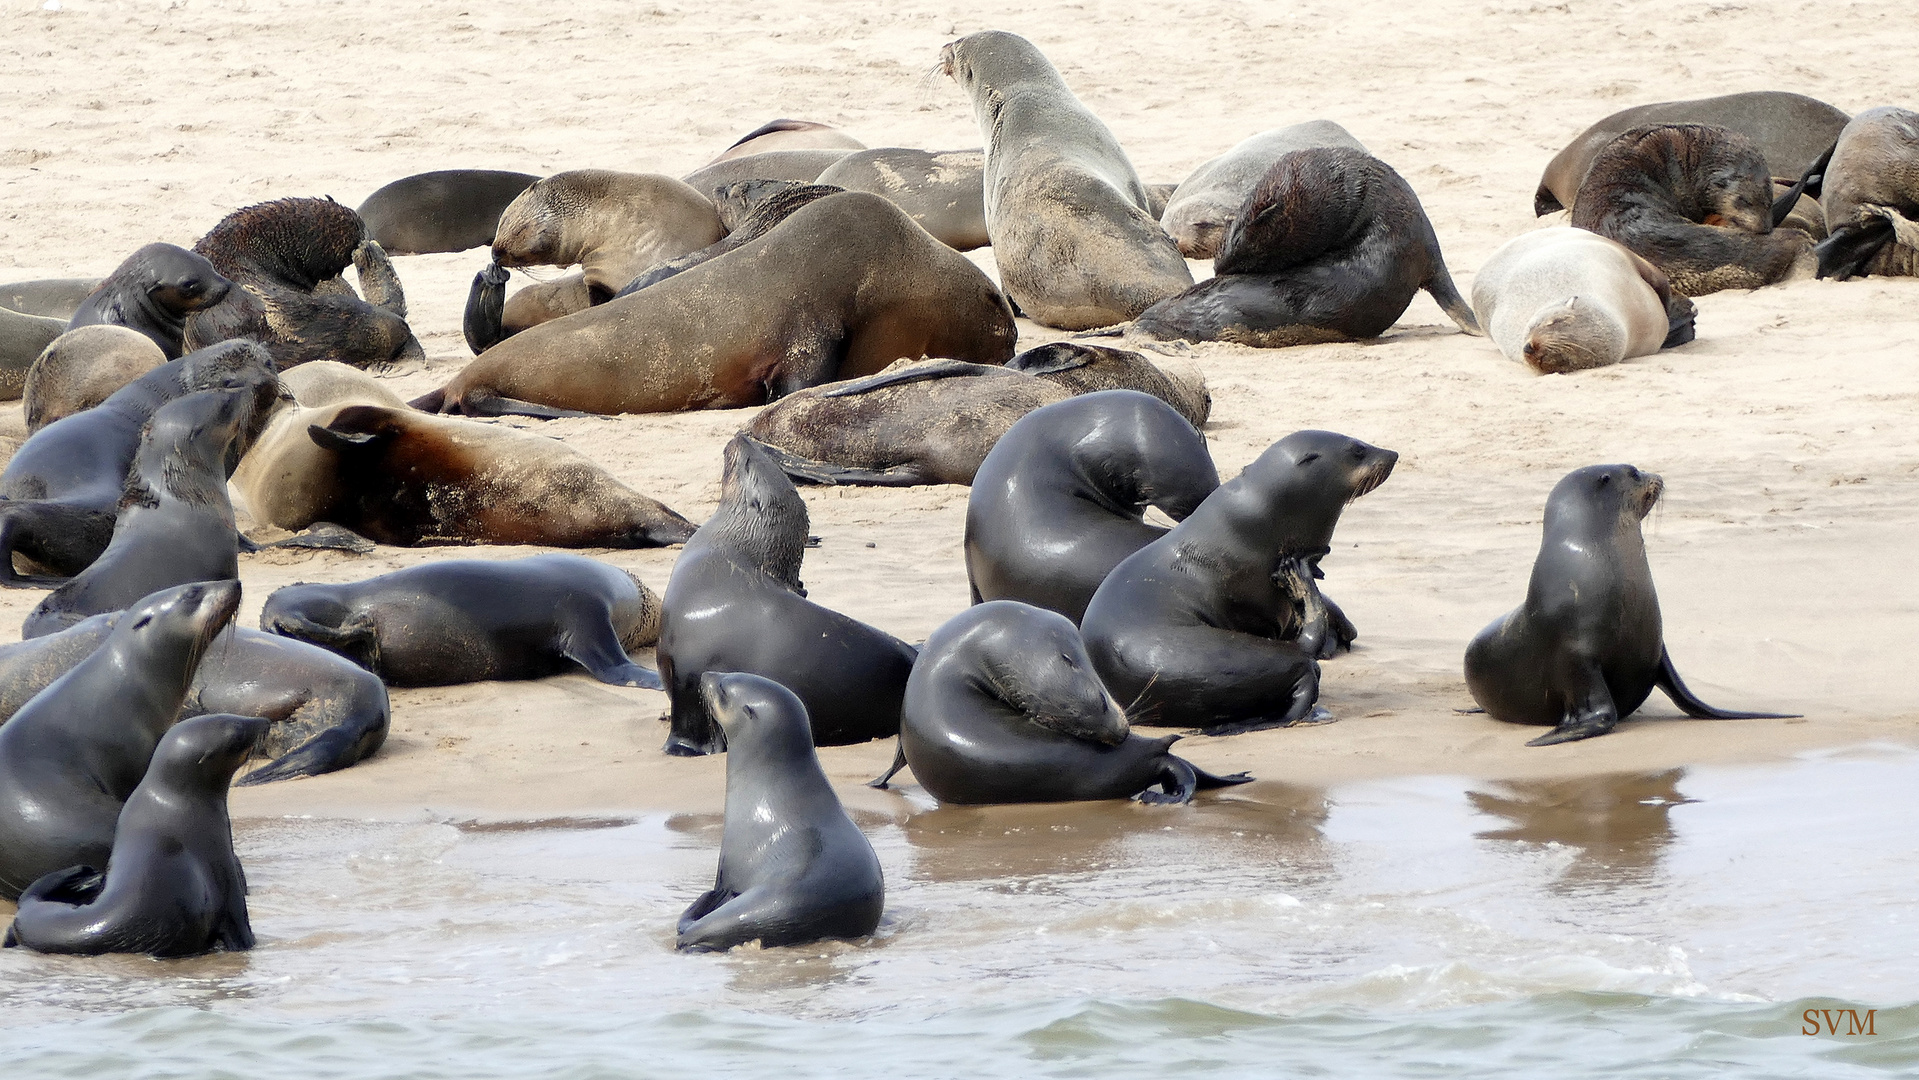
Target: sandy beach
{"type": "Point", "coordinates": [1785, 433]}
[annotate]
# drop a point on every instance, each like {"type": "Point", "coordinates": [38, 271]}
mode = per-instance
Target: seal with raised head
{"type": "Point", "coordinates": [1870, 197]}
{"type": "Point", "coordinates": [1216, 625]}
{"type": "Point", "coordinates": [793, 867]}
{"type": "Point", "coordinates": [785, 134]}
{"type": "Point", "coordinates": [1206, 202]}
{"type": "Point", "coordinates": [840, 289]}
{"type": "Point", "coordinates": [445, 210]}
{"type": "Point", "coordinates": [1587, 647]}
{"type": "Point", "coordinates": [1004, 707]}
{"type": "Point", "coordinates": [49, 298]}
{"type": "Point", "coordinates": [943, 190]}
{"type": "Point", "coordinates": [175, 524]}
{"type": "Point", "coordinates": [1330, 246]}
{"type": "Point", "coordinates": [469, 620]}
{"type": "Point", "coordinates": [1563, 300]}
{"type": "Point", "coordinates": [780, 200]}
{"type": "Point", "coordinates": [742, 569]}
{"type": "Point", "coordinates": [72, 755]}
{"type": "Point", "coordinates": [154, 291]}
{"type": "Point", "coordinates": [60, 493]}
{"type": "Point", "coordinates": [287, 256]}
{"type": "Point", "coordinates": [172, 885]}
{"type": "Point", "coordinates": [1696, 201]}
{"type": "Point", "coordinates": [1061, 498]}
{"type": "Point", "coordinates": [1790, 130]}
{"type": "Point", "coordinates": [83, 368]}
{"type": "Point", "coordinates": [1068, 217]}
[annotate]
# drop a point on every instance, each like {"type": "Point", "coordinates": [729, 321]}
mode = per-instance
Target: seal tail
{"type": "Point", "coordinates": [1453, 304]}
{"type": "Point", "coordinates": [899, 762]}
{"type": "Point", "coordinates": [1675, 688]}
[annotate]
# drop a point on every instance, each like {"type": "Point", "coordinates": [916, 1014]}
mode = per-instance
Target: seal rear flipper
{"type": "Point", "coordinates": [1545, 202]}
{"type": "Point", "coordinates": [56, 535]}
{"type": "Point", "coordinates": [434, 402]}
{"type": "Point", "coordinates": [807, 470]}
{"type": "Point", "coordinates": [590, 641]}
{"type": "Point", "coordinates": [353, 741]}
{"type": "Point", "coordinates": [1680, 314]}
{"type": "Point", "coordinates": [486, 309]}
{"type": "Point", "coordinates": [326, 536]}
{"type": "Point", "coordinates": [899, 762]}
{"type": "Point", "coordinates": [1454, 305]}
{"type": "Point", "coordinates": [482, 403]}
{"type": "Point", "coordinates": [735, 919]}
{"type": "Point", "coordinates": [937, 369]}
{"type": "Point", "coordinates": [76, 885]}
{"type": "Point", "coordinates": [1845, 251]}
{"type": "Point", "coordinates": [379, 283]}
{"type": "Point", "coordinates": [1811, 183]}
{"type": "Point", "coordinates": [1176, 783]}
{"type": "Point", "coordinates": [1674, 688]}
{"type": "Point", "coordinates": [1591, 712]}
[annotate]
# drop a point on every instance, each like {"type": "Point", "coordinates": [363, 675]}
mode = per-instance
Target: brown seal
{"type": "Point", "coordinates": [773, 201]}
{"type": "Point", "coordinates": [799, 166]}
{"type": "Point", "coordinates": [944, 191]}
{"type": "Point", "coordinates": [1871, 197]}
{"type": "Point", "coordinates": [786, 134]}
{"type": "Point", "coordinates": [447, 210]}
{"type": "Point", "coordinates": [84, 367]}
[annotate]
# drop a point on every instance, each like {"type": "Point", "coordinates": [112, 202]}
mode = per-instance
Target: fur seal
{"type": "Point", "coordinates": [470, 620]}
{"type": "Point", "coordinates": [1694, 200]}
{"type": "Point", "coordinates": [1330, 246]}
{"type": "Point", "coordinates": [1059, 500]}
{"type": "Point", "coordinates": [172, 884]}
{"type": "Point", "coordinates": [933, 421]}
{"type": "Point", "coordinates": [840, 289]}
{"type": "Point", "coordinates": [60, 493]}
{"type": "Point", "coordinates": [1871, 197]}
{"type": "Point", "coordinates": [22, 339]}
{"type": "Point", "coordinates": [1206, 202]}
{"type": "Point", "coordinates": [154, 291]}
{"type": "Point", "coordinates": [742, 569]}
{"type": "Point", "coordinates": [446, 210]}
{"type": "Point", "coordinates": [793, 867]}
{"type": "Point", "coordinates": [1216, 624]}
{"type": "Point", "coordinates": [798, 166]}
{"type": "Point", "coordinates": [1564, 300]}
{"type": "Point", "coordinates": [1587, 647]}
{"type": "Point", "coordinates": [1065, 210]}
{"type": "Point", "coordinates": [83, 368]}
{"type": "Point", "coordinates": [286, 256]}
{"type": "Point", "coordinates": [73, 754]}
{"type": "Point", "coordinates": [327, 712]}
{"type": "Point", "coordinates": [780, 200]}
{"type": "Point", "coordinates": [1790, 130]}
{"type": "Point", "coordinates": [786, 134]}
{"type": "Point", "coordinates": [944, 191]}
{"type": "Point", "coordinates": [49, 298]}
{"type": "Point", "coordinates": [1004, 707]}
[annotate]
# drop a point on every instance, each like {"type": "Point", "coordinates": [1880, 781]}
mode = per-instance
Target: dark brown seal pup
{"type": "Point", "coordinates": [944, 191]}
{"type": "Point", "coordinates": [1073, 235]}
{"type": "Point", "coordinates": [172, 884]}
{"type": "Point", "coordinates": [1004, 707]}
{"type": "Point", "coordinates": [73, 754]}
{"type": "Point", "coordinates": [1694, 200]}
{"type": "Point", "coordinates": [469, 620]}
{"type": "Point", "coordinates": [784, 134]}
{"type": "Point", "coordinates": [1871, 197]}
{"type": "Point", "coordinates": [60, 493]}
{"type": "Point", "coordinates": [446, 210]}
{"type": "Point", "coordinates": [175, 524]}
{"type": "Point", "coordinates": [777, 205]}
{"type": "Point", "coordinates": [735, 603]}
{"type": "Point", "coordinates": [154, 291]}
{"type": "Point", "coordinates": [793, 867]}
{"type": "Point", "coordinates": [286, 256]}
{"type": "Point", "coordinates": [83, 368]}
{"type": "Point", "coordinates": [1587, 646]}
{"type": "Point", "coordinates": [1330, 246]}
{"type": "Point", "coordinates": [1060, 499]}
{"type": "Point", "coordinates": [1216, 624]}
{"type": "Point", "coordinates": [1790, 130]}
{"type": "Point", "coordinates": [840, 289]}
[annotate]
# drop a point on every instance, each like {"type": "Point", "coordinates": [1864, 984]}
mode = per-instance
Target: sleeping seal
{"type": "Point", "coordinates": [1564, 300]}
{"type": "Point", "coordinates": [784, 134]}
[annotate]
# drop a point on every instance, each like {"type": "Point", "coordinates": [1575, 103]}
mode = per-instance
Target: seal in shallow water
{"type": "Point", "coordinates": [1004, 706]}
{"type": "Point", "coordinates": [1587, 647]}
{"type": "Point", "coordinates": [793, 867]}
{"type": "Point", "coordinates": [153, 292]}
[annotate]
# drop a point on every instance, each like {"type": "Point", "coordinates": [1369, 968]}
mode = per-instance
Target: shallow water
{"type": "Point", "coordinates": [1669, 925]}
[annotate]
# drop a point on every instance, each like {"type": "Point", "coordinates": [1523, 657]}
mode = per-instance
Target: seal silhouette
{"type": "Point", "coordinates": [172, 884]}
{"type": "Point", "coordinates": [742, 570]}
{"type": "Point", "coordinates": [1004, 706]}
{"type": "Point", "coordinates": [466, 620]}
{"type": "Point", "coordinates": [1060, 499]}
{"type": "Point", "coordinates": [1587, 647]}
{"type": "Point", "coordinates": [153, 292]}
{"type": "Point", "coordinates": [71, 756]}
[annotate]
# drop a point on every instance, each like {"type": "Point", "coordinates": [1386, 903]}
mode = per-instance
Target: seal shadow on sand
{"type": "Point", "coordinates": [1617, 825]}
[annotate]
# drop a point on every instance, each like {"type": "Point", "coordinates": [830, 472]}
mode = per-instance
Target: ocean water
{"type": "Point", "coordinates": [1678, 924]}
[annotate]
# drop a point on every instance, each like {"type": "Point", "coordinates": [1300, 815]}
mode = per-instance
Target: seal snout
{"type": "Point", "coordinates": [1375, 465]}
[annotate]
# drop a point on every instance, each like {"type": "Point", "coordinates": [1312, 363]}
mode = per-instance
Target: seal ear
{"type": "Point", "coordinates": [1307, 459]}
{"type": "Point", "coordinates": [345, 441]}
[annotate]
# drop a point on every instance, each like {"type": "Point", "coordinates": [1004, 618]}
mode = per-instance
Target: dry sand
{"type": "Point", "coordinates": [1785, 433]}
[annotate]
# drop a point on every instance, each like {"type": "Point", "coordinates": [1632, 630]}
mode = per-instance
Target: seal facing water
{"type": "Point", "coordinates": [1587, 647]}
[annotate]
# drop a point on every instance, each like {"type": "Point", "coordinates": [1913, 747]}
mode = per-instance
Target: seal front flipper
{"type": "Point", "coordinates": [590, 641]}
{"type": "Point", "coordinates": [1811, 184]}
{"type": "Point", "coordinates": [937, 369]}
{"type": "Point", "coordinates": [1669, 682]}
{"type": "Point", "coordinates": [486, 309]}
{"type": "Point", "coordinates": [379, 282]}
{"type": "Point", "coordinates": [1592, 710]}
{"type": "Point", "coordinates": [355, 638]}
{"type": "Point", "coordinates": [899, 762]}
{"type": "Point", "coordinates": [1176, 784]}
{"type": "Point", "coordinates": [479, 403]}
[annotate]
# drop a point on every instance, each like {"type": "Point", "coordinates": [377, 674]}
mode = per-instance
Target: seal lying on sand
{"type": "Point", "coordinates": [49, 298]}
{"type": "Point", "coordinates": [22, 339]}
{"type": "Point", "coordinates": [1206, 202]}
{"type": "Point", "coordinates": [447, 210]}
{"type": "Point", "coordinates": [735, 603]}
{"type": "Point", "coordinates": [1004, 707]}
{"type": "Point", "coordinates": [778, 205]}
{"type": "Point", "coordinates": [286, 256]}
{"type": "Point", "coordinates": [1330, 246]}
{"type": "Point", "coordinates": [73, 754]}
{"type": "Point", "coordinates": [1216, 624]}
{"type": "Point", "coordinates": [797, 166]}
{"type": "Point", "coordinates": [172, 884]}
{"type": "Point", "coordinates": [1695, 201]}
{"type": "Point", "coordinates": [793, 867]}
{"type": "Point", "coordinates": [154, 291]}
{"type": "Point", "coordinates": [468, 620]}
{"type": "Point", "coordinates": [840, 289]}
{"type": "Point", "coordinates": [1587, 647]}
{"type": "Point", "coordinates": [944, 191]}
{"type": "Point", "coordinates": [1072, 236]}
{"type": "Point", "coordinates": [83, 368]}
{"type": "Point", "coordinates": [784, 134]}
{"type": "Point", "coordinates": [1871, 197]}
{"type": "Point", "coordinates": [1059, 501]}
{"type": "Point", "coordinates": [1566, 300]}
